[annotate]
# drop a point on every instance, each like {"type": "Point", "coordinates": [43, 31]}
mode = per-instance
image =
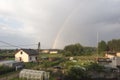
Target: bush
{"type": "Point", "coordinates": [76, 73]}
{"type": "Point", "coordinates": [30, 65]}
{"type": "Point", "coordinates": [53, 63]}
{"type": "Point", "coordinates": [95, 67]}
{"type": "Point", "coordinates": [67, 53]}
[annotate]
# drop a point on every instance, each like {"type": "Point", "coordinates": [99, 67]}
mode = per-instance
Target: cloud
{"type": "Point", "coordinates": [31, 21]}
{"type": "Point", "coordinates": [90, 18]}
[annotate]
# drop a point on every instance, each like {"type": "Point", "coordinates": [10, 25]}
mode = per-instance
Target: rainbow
{"type": "Point", "coordinates": [63, 26]}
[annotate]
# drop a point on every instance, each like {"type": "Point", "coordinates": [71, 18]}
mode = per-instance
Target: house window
{"type": "Point", "coordinates": [21, 53]}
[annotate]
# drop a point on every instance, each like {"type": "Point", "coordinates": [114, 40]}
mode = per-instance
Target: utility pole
{"type": "Point", "coordinates": [97, 44]}
{"type": "Point", "coordinates": [38, 47]}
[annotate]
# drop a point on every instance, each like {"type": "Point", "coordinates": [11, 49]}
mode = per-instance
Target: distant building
{"type": "Point", "coordinates": [44, 51]}
{"type": "Point", "coordinates": [112, 54]}
{"type": "Point", "coordinates": [50, 51]}
{"type": "Point", "coordinates": [109, 62]}
{"type": "Point", "coordinates": [53, 51]}
{"type": "Point", "coordinates": [26, 55]}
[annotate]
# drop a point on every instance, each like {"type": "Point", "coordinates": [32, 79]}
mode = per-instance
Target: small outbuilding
{"type": "Point", "coordinates": [50, 51]}
{"type": "Point", "coordinates": [34, 75]}
{"type": "Point", "coordinates": [12, 63]}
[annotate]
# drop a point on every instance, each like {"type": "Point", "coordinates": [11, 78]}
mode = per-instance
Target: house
{"type": "Point", "coordinates": [113, 62]}
{"type": "Point", "coordinates": [112, 59]}
{"type": "Point", "coordinates": [112, 54]}
{"type": "Point", "coordinates": [26, 55]}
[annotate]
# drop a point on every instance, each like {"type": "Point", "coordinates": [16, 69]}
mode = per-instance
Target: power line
{"type": "Point", "coordinates": [28, 45]}
{"type": "Point", "coordinates": [19, 45]}
{"type": "Point", "coordinates": [9, 44]}
{"type": "Point", "coordinates": [4, 46]}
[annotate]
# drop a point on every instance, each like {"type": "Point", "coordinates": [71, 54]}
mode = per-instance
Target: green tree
{"type": "Point", "coordinates": [102, 46]}
{"type": "Point", "coordinates": [114, 45]}
{"type": "Point", "coordinates": [67, 53]}
{"type": "Point", "coordinates": [95, 67]}
{"type": "Point", "coordinates": [89, 50]}
{"type": "Point", "coordinates": [74, 49]}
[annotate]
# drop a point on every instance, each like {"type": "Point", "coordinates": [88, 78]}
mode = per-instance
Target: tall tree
{"type": "Point", "coordinates": [114, 45]}
{"type": "Point", "coordinates": [102, 46]}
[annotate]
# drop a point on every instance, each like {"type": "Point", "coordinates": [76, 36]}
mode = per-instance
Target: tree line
{"type": "Point", "coordinates": [77, 49]}
{"type": "Point", "coordinates": [112, 45]}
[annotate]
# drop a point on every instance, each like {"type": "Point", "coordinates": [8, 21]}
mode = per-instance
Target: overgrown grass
{"type": "Point", "coordinates": [5, 69]}
{"type": "Point", "coordinates": [30, 65]}
{"type": "Point", "coordinates": [50, 55]}
{"type": "Point", "coordinates": [8, 74]}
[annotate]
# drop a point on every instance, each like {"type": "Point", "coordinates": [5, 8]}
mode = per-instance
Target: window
{"type": "Point", "coordinates": [21, 53]}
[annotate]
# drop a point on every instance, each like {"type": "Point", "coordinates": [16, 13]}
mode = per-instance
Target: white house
{"type": "Point", "coordinates": [26, 55]}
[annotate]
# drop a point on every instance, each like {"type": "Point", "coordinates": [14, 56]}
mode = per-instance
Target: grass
{"type": "Point", "coordinates": [50, 55]}
{"type": "Point", "coordinates": [8, 74]}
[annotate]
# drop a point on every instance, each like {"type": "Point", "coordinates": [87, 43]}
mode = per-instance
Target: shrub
{"type": "Point", "coordinates": [76, 73]}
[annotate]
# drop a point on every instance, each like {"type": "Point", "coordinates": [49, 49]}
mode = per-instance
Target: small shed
{"type": "Point", "coordinates": [12, 64]}
{"type": "Point", "coordinates": [34, 74]}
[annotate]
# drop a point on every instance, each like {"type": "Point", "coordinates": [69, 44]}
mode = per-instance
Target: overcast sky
{"type": "Point", "coordinates": [56, 23]}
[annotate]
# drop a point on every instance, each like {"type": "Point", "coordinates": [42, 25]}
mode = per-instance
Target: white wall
{"type": "Point", "coordinates": [24, 56]}
{"type": "Point", "coordinates": [33, 58]}
{"type": "Point", "coordinates": [53, 52]}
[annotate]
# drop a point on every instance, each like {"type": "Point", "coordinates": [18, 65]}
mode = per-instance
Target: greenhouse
{"type": "Point", "coordinates": [11, 63]}
{"type": "Point", "coordinates": [34, 74]}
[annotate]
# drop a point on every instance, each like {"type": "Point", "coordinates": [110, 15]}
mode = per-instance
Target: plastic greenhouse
{"type": "Point", "coordinates": [34, 74]}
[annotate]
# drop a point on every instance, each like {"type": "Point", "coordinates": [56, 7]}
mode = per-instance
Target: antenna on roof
{"type": "Point", "coordinates": [38, 47]}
